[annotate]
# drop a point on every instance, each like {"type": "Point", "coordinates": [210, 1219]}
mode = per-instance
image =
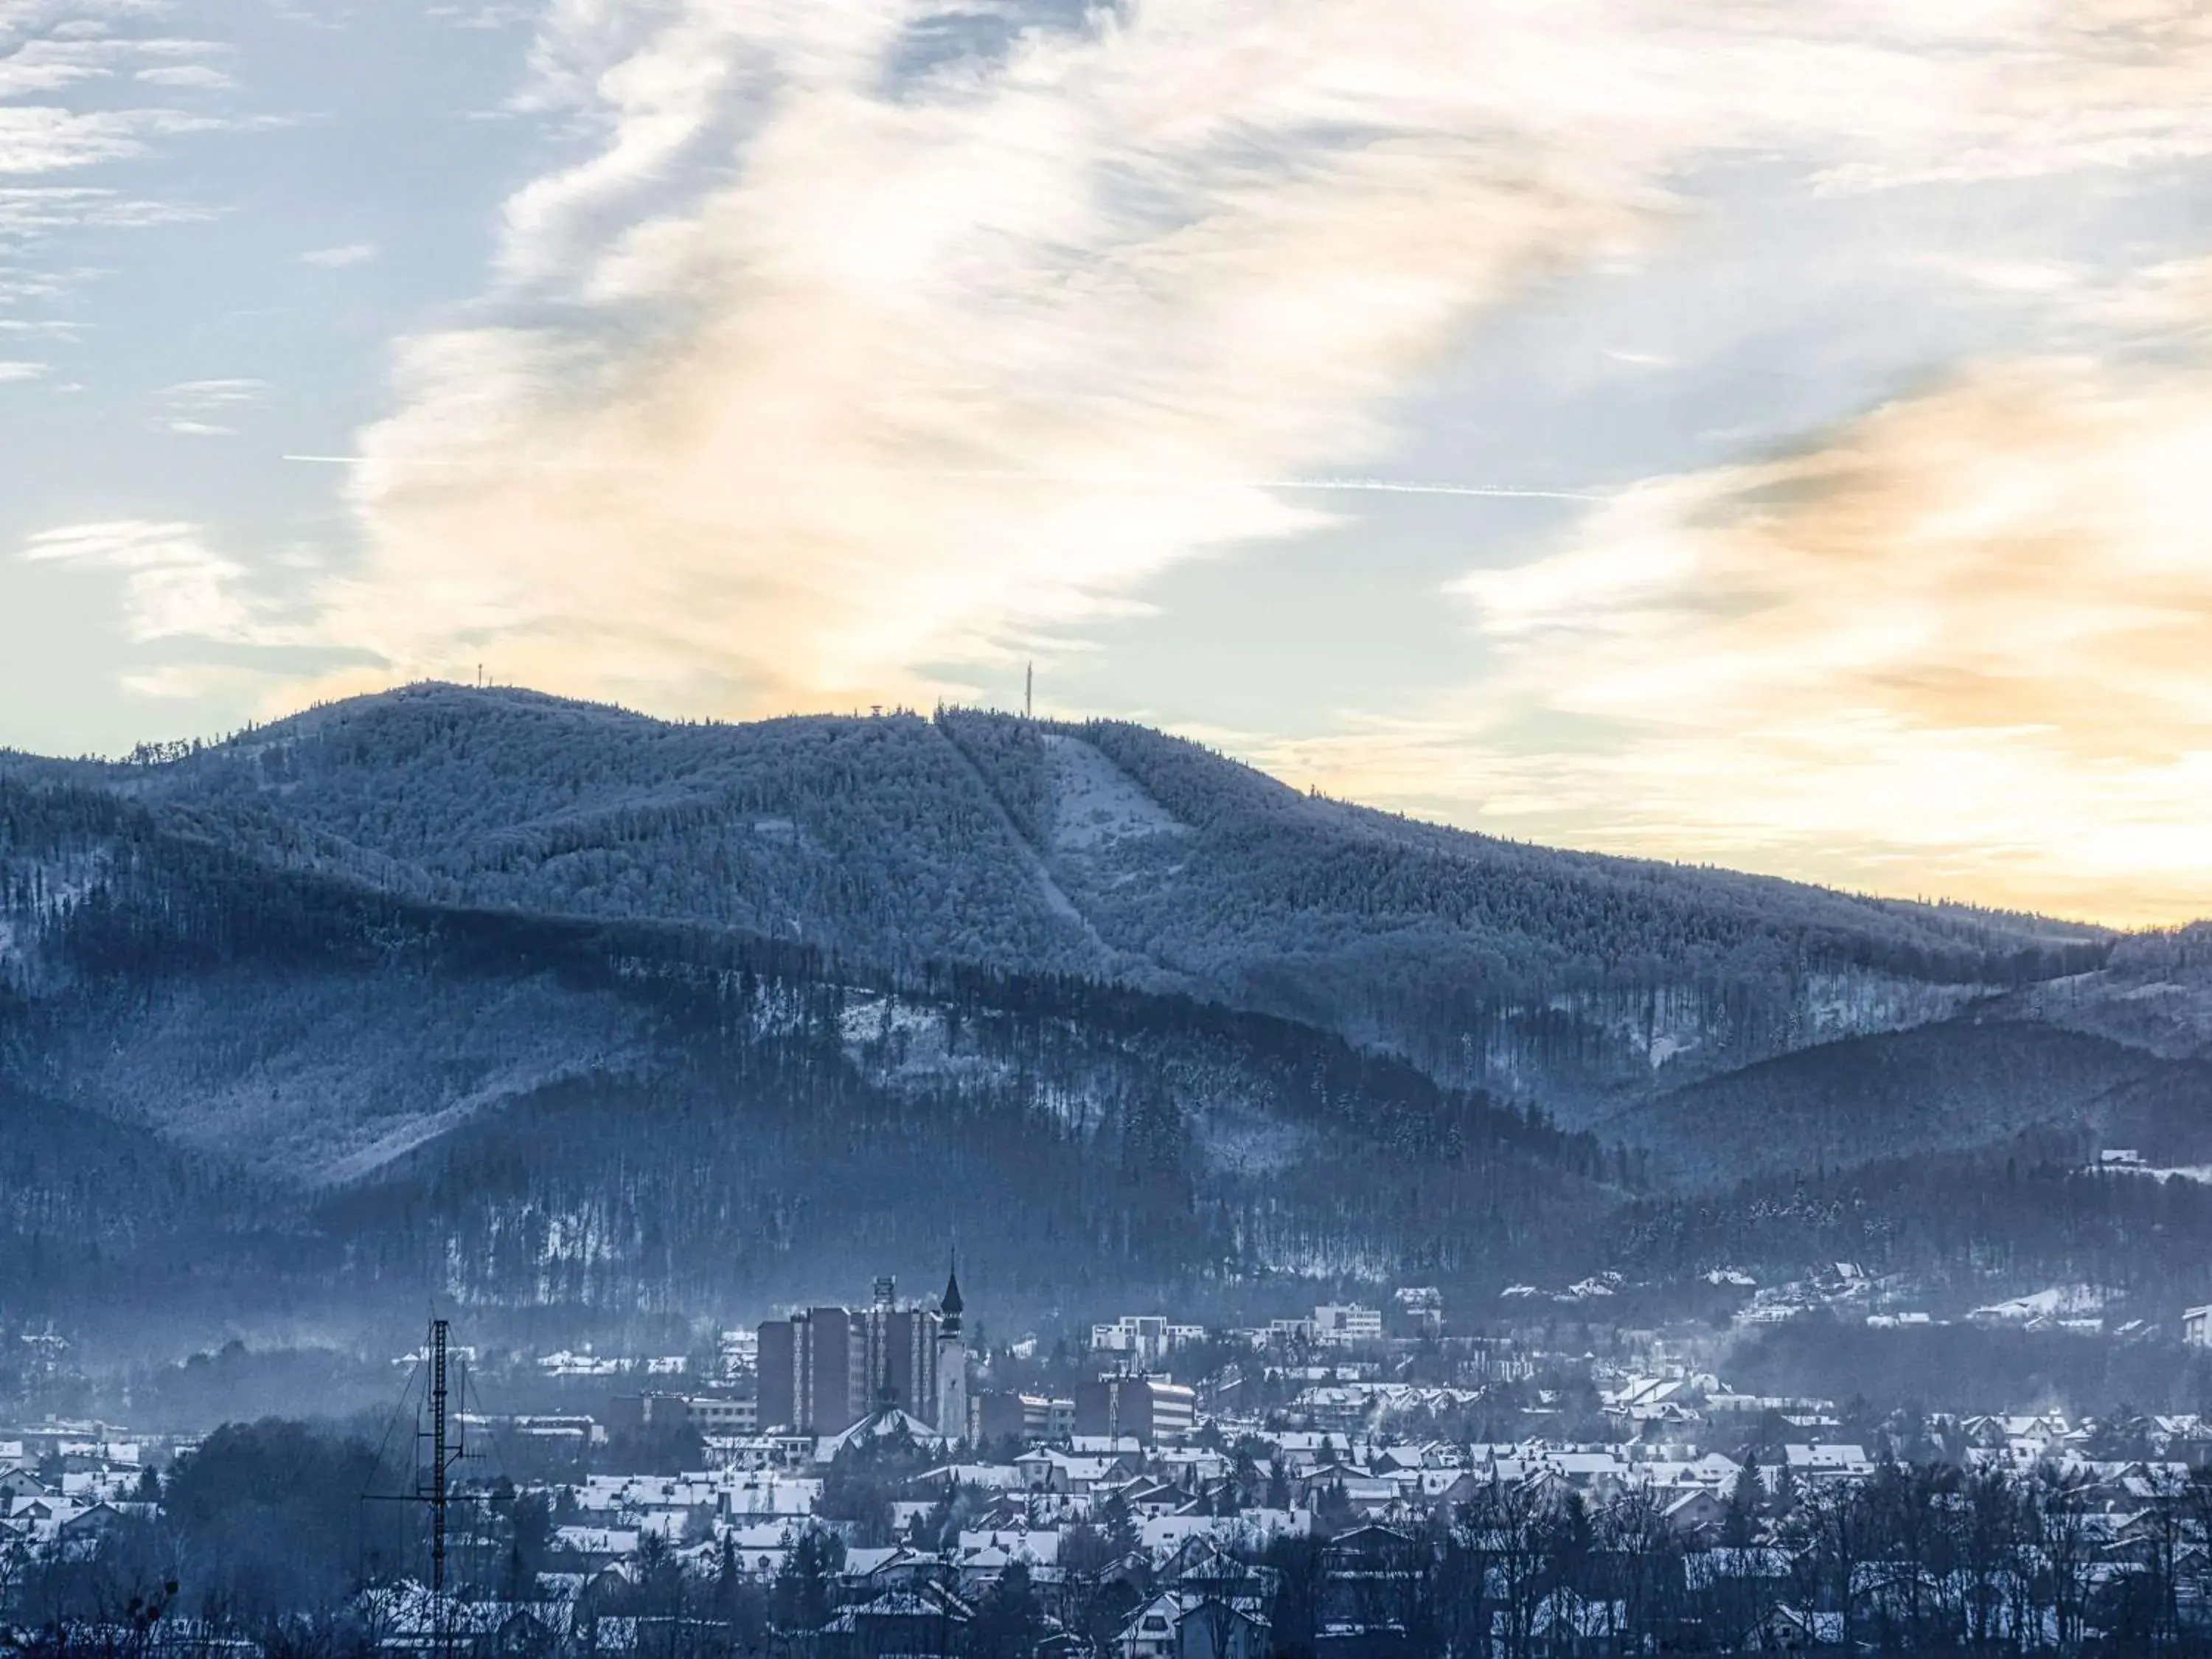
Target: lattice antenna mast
{"type": "Point", "coordinates": [446, 1451]}
{"type": "Point", "coordinates": [437, 1455]}
{"type": "Point", "coordinates": [1029, 692]}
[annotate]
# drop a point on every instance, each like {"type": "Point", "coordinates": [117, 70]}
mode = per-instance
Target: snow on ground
{"type": "Point", "coordinates": [324, 1082]}
{"type": "Point", "coordinates": [2200, 1173]}
{"type": "Point", "coordinates": [61, 884]}
{"type": "Point", "coordinates": [1235, 1140]}
{"type": "Point", "coordinates": [1299, 1254]}
{"type": "Point", "coordinates": [1095, 802]}
{"type": "Point", "coordinates": [900, 1043]}
{"type": "Point", "coordinates": [2059, 1302]}
{"type": "Point", "coordinates": [1854, 1004]}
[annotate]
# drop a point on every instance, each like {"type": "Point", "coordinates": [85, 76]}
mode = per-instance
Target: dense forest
{"type": "Point", "coordinates": [512, 1108]}
{"type": "Point", "coordinates": [538, 1005]}
{"type": "Point", "coordinates": [1103, 849]}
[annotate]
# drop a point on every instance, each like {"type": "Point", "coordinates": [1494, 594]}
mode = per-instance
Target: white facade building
{"type": "Point", "coordinates": [1347, 1324]}
{"type": "Point", "coordinates": [1146, 1339]}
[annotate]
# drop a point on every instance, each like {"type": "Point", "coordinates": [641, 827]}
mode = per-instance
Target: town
{"type": "Point", "coordinates": [854, 1480]}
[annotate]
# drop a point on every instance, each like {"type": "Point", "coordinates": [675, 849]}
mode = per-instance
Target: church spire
{"type": "Point", "coordinates": [949, 1304]}
{"type": "Point", "coordinates": [952, 1360]}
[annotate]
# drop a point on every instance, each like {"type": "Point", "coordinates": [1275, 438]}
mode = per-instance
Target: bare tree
{"type": "Point", "coordinates": [1509, 1530]}
{"type": "Point", "coordinates": [1646, 1562]}
{"type": "Point", "coordinates": [1833, 1523]}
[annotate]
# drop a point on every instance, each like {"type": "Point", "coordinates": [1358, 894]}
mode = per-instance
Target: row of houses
{"type": "Point", "coordinates": [65, 1484]}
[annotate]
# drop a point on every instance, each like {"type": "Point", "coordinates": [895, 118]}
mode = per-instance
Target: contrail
{"type": "Point", "coordinates": [1393, 486]}
{"type": "Point", "coordinates": [1122, 481]}
{"type": "Point", "coordinates": [412, 460]}
{"type": "Point", "coordinates": [1380, 486]}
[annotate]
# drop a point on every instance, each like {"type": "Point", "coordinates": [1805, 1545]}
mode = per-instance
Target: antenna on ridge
{"type": "Point", "coordinates": [1029, 692]}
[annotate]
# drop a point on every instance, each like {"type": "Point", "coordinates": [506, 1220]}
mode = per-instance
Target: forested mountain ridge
{"type": "Point", "coordinates": [1571, 976]}
{"type": "Point", "coordinates": [393, 999]}
{"type": "Point", "coordinates": [277, 1085]}
{"type": "Point", "coordinates": [1102, 850]}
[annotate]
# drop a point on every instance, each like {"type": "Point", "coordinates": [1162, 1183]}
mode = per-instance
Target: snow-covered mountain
{"type": "Point", "coordinates": [1106, 850]}
{"type": "Point", "coordinates": [539, 1002]}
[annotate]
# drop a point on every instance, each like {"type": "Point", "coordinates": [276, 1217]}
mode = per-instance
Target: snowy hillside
{"type": "Point", "coordinates": [1105, 850]}
{"type": "Point", "coordinates": [534, 1110]}
{"type": "Point", "coordinates": [396, 999]}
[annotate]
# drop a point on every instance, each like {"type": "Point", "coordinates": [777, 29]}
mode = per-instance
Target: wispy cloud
{"type": "Point", "coordinates": [200, 409]}
{"type": "Point", "coordinates": [15, 369]}
{"type": "Point", "coordinates": [194, 681]}
{"type": "Point", "coordinates": [233, 393]}
{"type": "Point", "coordinates": [29, 212]}
{"type": "Point", "coordinates": [44, 138]}
{"type": "Point", "coordinates": [204, 408]}
{"type": "Point", "coordinates": [337, 258]}
{"type": "Point", "coordinates": [53, 51]}
{"type": "Point", "coordinates": [202, 77]}
{"type": "Point", "coordinates": [503, 16]}
{"type": "Point", "coordinates": [173, 586]}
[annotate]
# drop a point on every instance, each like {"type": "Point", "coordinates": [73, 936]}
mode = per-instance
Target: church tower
{"type": "Point", "coordinates": [951, 1363]}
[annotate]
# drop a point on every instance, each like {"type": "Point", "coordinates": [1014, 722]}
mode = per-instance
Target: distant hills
{"type": "Point", "coordinates": [557, 1004]}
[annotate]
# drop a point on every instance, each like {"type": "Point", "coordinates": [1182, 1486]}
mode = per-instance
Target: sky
{"type": "Point", "coordinates": [1776, 435]}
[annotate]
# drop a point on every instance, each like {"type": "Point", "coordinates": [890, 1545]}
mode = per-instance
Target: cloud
{"type": "Point", "coordinates": [1957, 644]}
{"type": "Point", "coordinates": [500, 16]}
{"type": "Point", "coordinates": [174, 586]}
{"type": "Point", "coordinates": [235, 393]}
{"type": "Point", "coordinates": [31, 212]}
{"type": "Point", "coordinates": [337, 258]}
{"type": "Point", "coordinates": [199, 77]}
{"type": "Point", "coordinates": [2052, 88]}
{"type": "Point", "coordinates": [50, 65]}
{"type": "Point", "coordinates": [746, 421]}
{"type": "Point", "coordinates": [194, 682]}
{"type": "Point", "coordinates": [2170, 299]}
{"type": "Point", "coordinates": [37, 138]}
{"type": "Point", "coordinates": [16, 370]}
{"type": "Point", "coordinates": [53, 50]}
{"type": "Point", "coordinates": [196, 409]}
{"type": "Point", "coordinates": [738, 484]}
